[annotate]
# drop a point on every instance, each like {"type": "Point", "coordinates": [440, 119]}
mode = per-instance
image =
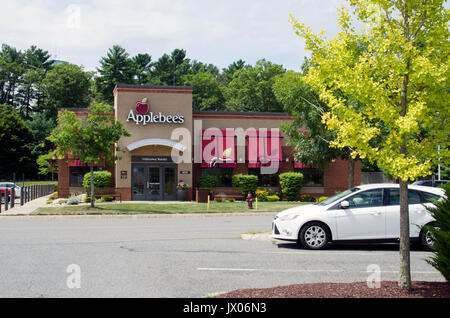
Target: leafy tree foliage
{"type": "Point", "coordinates": [89, 140]}
{"type": "Point", "coordinates": [66, 86]}
{"type": "Point", "coordinates": [399, 83]}
{"type": "Point", "coordinates": [14, 139]}
{"type": "Point", "coordinates": [250, 90]}
{"type": "Point", "coordinates": [115, 68]}
{"type": "Point", "coordinates": [169, 69]}
{"type": "Point", "coordinates": [207, 94]}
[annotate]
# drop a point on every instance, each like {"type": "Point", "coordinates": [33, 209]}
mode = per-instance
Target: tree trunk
{"type": "Point", "coordinates": [92, 186]}
{"type": "Point", "coordinates": [351, 172]}
{"type": "Point", "coordinates": [404, 279]}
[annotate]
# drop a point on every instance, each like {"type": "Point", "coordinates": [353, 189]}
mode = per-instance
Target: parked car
{"type": "Point", "coordinates": [367, 212]}
{"type": "Point", "coordinates": [430, 183]}
{"type": "Point", "coordinates": [7, 186]}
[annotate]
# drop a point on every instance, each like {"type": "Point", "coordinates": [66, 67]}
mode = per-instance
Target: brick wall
{"type": "Point", "coordinates": [336, 176]}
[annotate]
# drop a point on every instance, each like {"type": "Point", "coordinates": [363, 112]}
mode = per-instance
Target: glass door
{"type": "Point", "coordinates": [170, 181]}
{"type": "Point", "coordinates": [138, 183]}
{"type": "Point", "coordinates": [154, 184]}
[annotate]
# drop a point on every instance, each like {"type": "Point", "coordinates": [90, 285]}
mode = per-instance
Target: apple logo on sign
{"type": "Point", "coordinates": [142, 106]}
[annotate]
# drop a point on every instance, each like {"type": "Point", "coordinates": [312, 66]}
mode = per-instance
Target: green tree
{"type": "Point", "coordinates": [250, 90]}
{"type": "Point", "coordinates": [207, 94]}
{"type": "Point", "coordinates": [169, 69]}
{"type": "Point", "coordinates": [12, 69]}
{"type": "Point", "coordinates": [401, 84]}
{"type": "Point", "coordinates": [66, 86]}
{"type": "Point", "coordinates": [92, 140]}
{"type": "Point", "coordinates": [115, 68]}
{"type": "Point", "coordinates": [308, 135]}
{"type": "Point", "coordinates": [14, 138]}
{"type": "Point", "coordinates": [142, 63]}
{"type": "Point", "coordinates": [227, 74]}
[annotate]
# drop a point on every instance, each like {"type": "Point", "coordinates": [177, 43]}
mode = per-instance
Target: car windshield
{"type": "Point", "coordinates": [337, 197]}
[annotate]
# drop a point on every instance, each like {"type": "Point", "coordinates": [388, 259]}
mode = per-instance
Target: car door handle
{"type": "Point", "coordinates": [375, 213]}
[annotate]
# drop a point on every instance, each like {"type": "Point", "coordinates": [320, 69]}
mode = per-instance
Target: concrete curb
{"type": "Point", "coordinates": [135, 216]}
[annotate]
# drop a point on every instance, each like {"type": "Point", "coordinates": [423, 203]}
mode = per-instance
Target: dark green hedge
{"type": "Point", "coordinates": [247, 183]}
{"type": "Point", "coordinates": [102, 179]}
{"type": "Point", "coordinates": [291, 184]}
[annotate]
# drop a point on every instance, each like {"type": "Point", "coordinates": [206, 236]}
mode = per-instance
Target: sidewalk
{"type": "Point", "coordinates": [27, 208]}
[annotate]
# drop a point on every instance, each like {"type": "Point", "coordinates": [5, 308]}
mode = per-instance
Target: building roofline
{"type": "Point", "coordinates": [153, 88]}
{"type": "Point", "coordinates": [225, 114]}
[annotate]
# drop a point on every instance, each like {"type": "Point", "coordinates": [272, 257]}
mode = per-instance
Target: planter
{"type": "Point", "coordinates": [181, 195]}
{"type": "Point", "coordinates": [202, 195]}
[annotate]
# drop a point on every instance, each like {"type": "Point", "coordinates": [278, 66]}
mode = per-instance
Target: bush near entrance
{"type": "Point", "coordinates": [102, 179]}
{"type": "Point", "coordinates": [247, 183]}
{"type": "Point", "coordinates": [207, 181]}
{"type": "Point", "coordinates": [291, 184]}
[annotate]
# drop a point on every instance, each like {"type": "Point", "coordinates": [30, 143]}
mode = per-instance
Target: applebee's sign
{"type": "Point", "coordinates": [142, 116]}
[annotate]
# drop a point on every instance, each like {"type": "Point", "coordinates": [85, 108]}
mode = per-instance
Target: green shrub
{"type": "Point", "coordinates": [87, 199]}
{"type": "Point", "coordinates": [322, 198]}
{"type": "Point", "coordinates": [273, 198]}
{"type": "Point", "coordinates": [102, 179]}
{"type": "Point", "coordinates": [49, 202]}
{"type": "Point", "coordinates": [291, 184]}
{"type": "Point", "coordinates": [247, 183]}
{"type": "Point", "coordinates": [441, 233]}
{"type": "Point", "coordinates": [53, 196]}
{"type": "Point", "coordinates": [207, 181]}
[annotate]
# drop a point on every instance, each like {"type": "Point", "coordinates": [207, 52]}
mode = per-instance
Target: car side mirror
{"type": "Point", "coordinates": [344, 204]}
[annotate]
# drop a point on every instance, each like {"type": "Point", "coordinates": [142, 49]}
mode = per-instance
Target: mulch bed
{"type": "Point", "coordinates": [388, 289]}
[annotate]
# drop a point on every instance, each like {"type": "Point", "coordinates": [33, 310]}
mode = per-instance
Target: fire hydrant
{"type": "Point", "coordinates": [250, 200]}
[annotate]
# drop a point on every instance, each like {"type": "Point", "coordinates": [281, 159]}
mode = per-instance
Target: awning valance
{"type": "Point", "coordinates": [218, 148]}
{"type": "Point", "coordinates": [264, 148]}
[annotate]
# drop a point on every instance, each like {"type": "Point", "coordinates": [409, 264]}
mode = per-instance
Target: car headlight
{"type": "Point", "coordinates": [289, 217]}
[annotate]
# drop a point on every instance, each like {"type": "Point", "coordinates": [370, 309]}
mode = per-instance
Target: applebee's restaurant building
{"type": "Point", "coordinates": [170, 143]}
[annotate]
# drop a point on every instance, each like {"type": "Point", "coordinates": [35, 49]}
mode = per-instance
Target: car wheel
{"type": "Point", "coordinates": [314, 235]}
{"type": "Point", "coordinates": [427, 239]}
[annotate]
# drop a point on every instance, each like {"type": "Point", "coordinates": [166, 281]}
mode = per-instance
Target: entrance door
{"type": "Point", "coordinates": [154, 182]}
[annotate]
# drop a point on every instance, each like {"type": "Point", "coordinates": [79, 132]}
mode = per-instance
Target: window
{"type": "Point", "coordinates": [312, 177]}
{"type": "Point", "coordinates": [76, 175]}
{"type": "Point", "coordinates": [264, 180]}
{"type": "Point", "coordinates": [394, 197]}
{"type": "Point", "coordinates": [427, 197]}
{"type": "Point", "coordinates": [366, 199]}
{"type": "Point", "coordinates": [224, 175]}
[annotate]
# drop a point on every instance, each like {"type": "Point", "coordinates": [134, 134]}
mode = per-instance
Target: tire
{"type": "Point", "coordinates": [427, 239]}
{"type": "Point", "coordinates": [314, 236]}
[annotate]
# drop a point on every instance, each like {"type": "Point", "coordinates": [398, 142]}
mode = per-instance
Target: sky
{"type": "Point", "coordinates": [211, 31]}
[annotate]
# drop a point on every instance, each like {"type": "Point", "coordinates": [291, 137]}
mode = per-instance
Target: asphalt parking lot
{"type": "Point", "coordinates": [190, 256]}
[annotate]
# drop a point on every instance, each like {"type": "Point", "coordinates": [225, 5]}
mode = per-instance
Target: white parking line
{"type": "Point", "coordinates": [223, 269]}
{"type": "Point", "coordinates": [269, 270]}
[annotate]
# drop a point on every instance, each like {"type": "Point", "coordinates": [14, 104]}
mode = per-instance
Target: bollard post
{"type": "Point", "coordinates": [13, 197]}
{"type": "Point", "coordinates": [21, 195]}
{"type": "Point", "coordinates": [6, 199]}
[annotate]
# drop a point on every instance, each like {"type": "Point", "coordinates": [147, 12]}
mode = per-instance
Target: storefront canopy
{"type": "Point", "coordinates": [264, 148]}
{"type": "Point", "coordinates": [218, 148]}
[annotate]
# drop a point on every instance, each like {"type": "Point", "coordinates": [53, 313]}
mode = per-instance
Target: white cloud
{"type": "Point", "coordinates": [213, 31]}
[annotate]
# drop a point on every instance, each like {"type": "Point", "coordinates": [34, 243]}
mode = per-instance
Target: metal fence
{"type": "Point", "coordinates": [27, 194]}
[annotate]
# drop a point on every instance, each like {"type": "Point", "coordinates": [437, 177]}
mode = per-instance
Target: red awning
{"type": "Point", "coordinates": [218, 148]}
{"type": "Point", "coordinates": [78, 163]}
{"type": "Point", "coordinates": [264, 148]}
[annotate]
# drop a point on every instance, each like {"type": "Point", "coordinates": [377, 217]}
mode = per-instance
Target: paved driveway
{"type": "Point", "coordinates": [171, 257]}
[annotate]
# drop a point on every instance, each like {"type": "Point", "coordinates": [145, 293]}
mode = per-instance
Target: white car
{"type": "Point", "coordinates": [366, 212]}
